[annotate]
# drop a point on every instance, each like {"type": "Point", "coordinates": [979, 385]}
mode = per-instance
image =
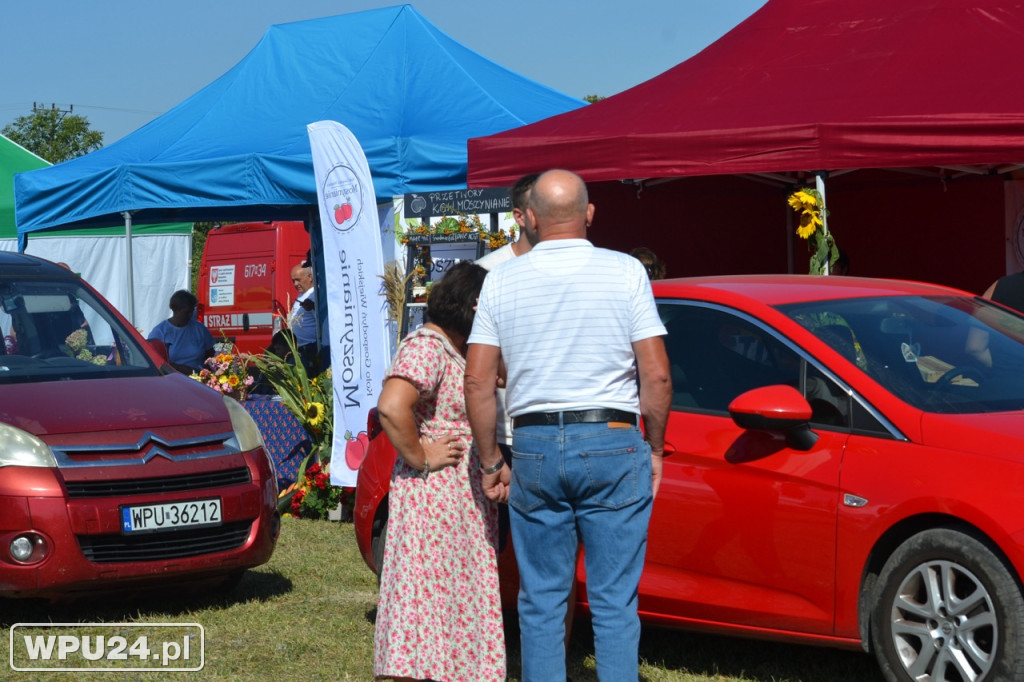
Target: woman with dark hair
{"type": "Point", "coordinates": [652, 264]}
{"type": "Point", "coordinates": [188, 342]}
{"type": "Point", "coordinates": [439, 615]}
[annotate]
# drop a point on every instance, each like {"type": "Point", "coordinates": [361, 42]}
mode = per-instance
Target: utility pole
{"type": "Point", "coordinates": [36, 106]}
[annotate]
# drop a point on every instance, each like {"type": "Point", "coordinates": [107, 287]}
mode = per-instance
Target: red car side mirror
{"type": "Point", "coordinates": [775, 408]}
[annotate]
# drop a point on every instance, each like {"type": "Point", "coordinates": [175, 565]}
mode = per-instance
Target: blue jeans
{"type": "Point", "coordinates": [595, 480]}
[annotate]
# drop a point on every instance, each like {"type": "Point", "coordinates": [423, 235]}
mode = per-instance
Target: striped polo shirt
{"type": "Point", "coordinates": [565, 316]}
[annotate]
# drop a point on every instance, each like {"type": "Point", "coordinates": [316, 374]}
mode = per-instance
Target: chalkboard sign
{"type": "Point", "coordinates": [454, 202]}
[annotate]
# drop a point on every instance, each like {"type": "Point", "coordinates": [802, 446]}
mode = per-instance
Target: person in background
{"type": "Point", "coordinates": [439, 614]}
{"type": "Point", "coordinates": [842, 265]}
{"type": "Point", "coordinates": [188, 342]}
{"type": "Point", "coordinates": [652, 264]}
{"type": "Point", "coordinates": [520, 195]}
{"type": "Point", "coordinates": [574, 389]}
{"type": "Point", "coordinates": [1008, 290]}
{"type": "Point", "coordinates": [302, 320]}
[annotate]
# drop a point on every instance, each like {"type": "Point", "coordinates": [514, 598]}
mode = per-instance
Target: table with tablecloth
{"type": "Point", "coordinates": [287, 442]}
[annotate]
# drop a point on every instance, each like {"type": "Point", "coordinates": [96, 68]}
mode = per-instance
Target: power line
{"type": "Point", "coordinates": [19, 106]}
{"type": "Point", "coordinates": [127, 111]}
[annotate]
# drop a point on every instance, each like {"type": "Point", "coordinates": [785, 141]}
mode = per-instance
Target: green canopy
{"type": "Point", "coordinates": [13, 159]}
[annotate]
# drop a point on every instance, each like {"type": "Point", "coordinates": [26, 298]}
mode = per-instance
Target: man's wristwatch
{"type": "Point", "coordinates": [494, 469]}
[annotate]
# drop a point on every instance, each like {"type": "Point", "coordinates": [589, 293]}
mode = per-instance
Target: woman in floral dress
{"type": "Point", "coordinates": [439, 616]}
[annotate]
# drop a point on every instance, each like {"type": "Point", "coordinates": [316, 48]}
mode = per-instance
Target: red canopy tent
{"type": "Point", "coordinates": [806, 86]}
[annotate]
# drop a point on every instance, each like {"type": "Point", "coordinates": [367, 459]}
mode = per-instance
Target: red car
{"type": "Point", "coordinates": [116, 472]}
{"type": "Point", "coordinates": [843, 465]}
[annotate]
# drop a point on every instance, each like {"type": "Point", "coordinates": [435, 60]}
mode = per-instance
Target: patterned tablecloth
{"type": "Point", "coordinates": [285, 439]}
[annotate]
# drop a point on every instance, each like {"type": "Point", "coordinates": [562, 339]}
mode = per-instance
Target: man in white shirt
{"type": "Point", "coordinates": [520, 194]}
{"type": "Point", "coordinates": [302, 320]}
{"type": "Point", "coordinates": [581, 338]}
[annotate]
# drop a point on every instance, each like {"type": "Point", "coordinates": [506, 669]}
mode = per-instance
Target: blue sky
{"type": "Point", "coordinates": [122, 63]}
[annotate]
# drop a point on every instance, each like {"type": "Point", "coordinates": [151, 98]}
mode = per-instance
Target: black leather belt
{"type": "Point", "coordinates": [573, 417]}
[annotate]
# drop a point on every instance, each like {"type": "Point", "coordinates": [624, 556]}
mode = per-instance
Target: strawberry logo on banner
{"type": "Point", "coordinates": [353, 264]}
{"type": "Point", "coordinates": [342, 192]}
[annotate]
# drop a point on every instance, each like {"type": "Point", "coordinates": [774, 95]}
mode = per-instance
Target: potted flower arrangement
{"type": "Point", "coordinates": [311, 400]}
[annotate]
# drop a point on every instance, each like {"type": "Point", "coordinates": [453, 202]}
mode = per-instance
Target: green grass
{"type": "Point", "coordinates": [308, 614]}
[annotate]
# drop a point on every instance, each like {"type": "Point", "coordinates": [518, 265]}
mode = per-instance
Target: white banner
{"type": "Point", "coordinates": [352, 266]}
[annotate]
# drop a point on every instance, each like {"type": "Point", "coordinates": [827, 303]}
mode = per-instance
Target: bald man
{"type": "Point", "coordinates": [302, 320]}
{"type": "Point", "coordinates": [582, 343]}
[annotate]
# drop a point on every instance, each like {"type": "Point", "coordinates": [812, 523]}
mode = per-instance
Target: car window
{"type": "Point", "coordinates": [941, 354]}
{"type": "Point", "coordinates": [715, 355]}
{"type": "Point", "coordinates": [58, 331]}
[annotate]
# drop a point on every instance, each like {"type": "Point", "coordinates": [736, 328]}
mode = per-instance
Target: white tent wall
{"type": "Point", "coordinates": [161, 266]}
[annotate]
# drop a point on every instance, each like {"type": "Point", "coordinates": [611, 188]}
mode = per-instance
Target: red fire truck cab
{"type": "Point", "coordinates": [245, 288]}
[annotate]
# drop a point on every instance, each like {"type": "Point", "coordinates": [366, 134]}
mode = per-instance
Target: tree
{"type": "Point", "coordinates": [54, 134]}
{"type": "Point", "coordinates": [199, 234]}
{"type": "Point", "coordinates": [590, 99]}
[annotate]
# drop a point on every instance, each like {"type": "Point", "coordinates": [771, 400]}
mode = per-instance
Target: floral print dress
{"type": "Point", "coordinates": [439, 615]}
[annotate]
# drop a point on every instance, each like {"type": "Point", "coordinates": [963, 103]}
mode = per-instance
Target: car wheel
{"type": "Point", "coordinates": [377, 547]}
{"type": "Point", "coordinates": [948, 610]}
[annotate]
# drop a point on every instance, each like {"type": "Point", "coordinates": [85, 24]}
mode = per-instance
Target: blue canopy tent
{"type": "Point", "coordinates": [238, 149]}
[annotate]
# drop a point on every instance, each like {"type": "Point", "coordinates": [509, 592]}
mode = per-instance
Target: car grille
{"type": "Point", "coordinates": [164, 545]}
{"type": "Point", "coordinates": [166, 484]}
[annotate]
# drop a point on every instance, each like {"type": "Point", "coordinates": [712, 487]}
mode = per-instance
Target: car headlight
{"type": "Point", "coordinates": [20, 448]}
{"type": "Point", "coordinates": [247, 434]}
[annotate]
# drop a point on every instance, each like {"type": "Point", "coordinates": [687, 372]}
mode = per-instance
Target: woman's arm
{"type": "Point", "coordinates": [395, 410]}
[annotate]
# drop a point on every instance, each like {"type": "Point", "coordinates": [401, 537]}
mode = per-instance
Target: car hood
{"type": "Point", "coordinates": [998, 434]}
{"type": "Point", "coordinates": [61, 407]}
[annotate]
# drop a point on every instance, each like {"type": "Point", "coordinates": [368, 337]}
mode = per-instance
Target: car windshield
{"type": "Point", "coordinates": [59, 331]}
{"type": "Point", "coordinates": [945, 354]}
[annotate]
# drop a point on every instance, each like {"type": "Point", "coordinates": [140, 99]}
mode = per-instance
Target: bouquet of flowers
{"type": "Point", "coordinates": [76, 342]}
{"type": "Point", "coordinates": [227, 373]}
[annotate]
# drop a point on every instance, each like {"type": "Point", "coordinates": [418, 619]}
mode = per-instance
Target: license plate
{"type": "Point", "coordinates": [170, 515]}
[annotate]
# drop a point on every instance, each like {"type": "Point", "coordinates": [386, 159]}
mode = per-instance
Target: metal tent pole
{"type": "Point", "coordinates": [128, 257]}
{"type": "Point", "coordinates": [819, 184]}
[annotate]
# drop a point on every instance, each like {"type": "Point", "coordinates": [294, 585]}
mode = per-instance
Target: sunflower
{"type": "Point", "coordinates": [802, 200]}
{"type": "Point", "coordinates": [315, 413]}
{"type": "Point", "coordinates": [810, 221]}
{"type": "Point", "coordinates": [233, 380]}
